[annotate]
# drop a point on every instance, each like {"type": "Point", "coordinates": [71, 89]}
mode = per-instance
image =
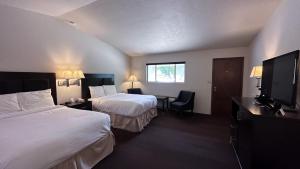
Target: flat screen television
{"type": "Point", "coordinates": [280, 77]}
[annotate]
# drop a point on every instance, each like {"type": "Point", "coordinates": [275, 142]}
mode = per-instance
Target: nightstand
{"type": "Point", "coordinates": [86, 105]}
{"type": "Point", "coordinates": [134, 91]}
{"type": "Point", "coordinates": [164, 101]}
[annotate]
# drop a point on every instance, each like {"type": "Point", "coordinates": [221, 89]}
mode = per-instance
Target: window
{"type": "Point", "coordinates": [173, 72]}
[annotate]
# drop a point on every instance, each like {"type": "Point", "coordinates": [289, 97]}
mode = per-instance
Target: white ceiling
{"type": "Point", "coordinates": [48, 7]}
{"type": "Point", "coordinates": [140, 27]}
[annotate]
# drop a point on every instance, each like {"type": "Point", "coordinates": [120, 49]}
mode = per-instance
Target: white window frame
{"type": "Point", "coordinates": [165, 63]}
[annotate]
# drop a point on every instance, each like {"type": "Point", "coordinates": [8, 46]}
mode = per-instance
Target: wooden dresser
{"type": "Point", "coordinates": [263, 140]}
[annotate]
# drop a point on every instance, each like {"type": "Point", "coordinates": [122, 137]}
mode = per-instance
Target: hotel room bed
{"type": "Point", "coordinates": [54, 137]}
{"type": "Point", "coordinates": [37, 134]}
{"type": "Point", "coordinates": [127, 111]}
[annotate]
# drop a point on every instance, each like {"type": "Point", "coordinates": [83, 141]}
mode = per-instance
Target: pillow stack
{"type": "Point", "coordinates": [100, 91]}
{"type": "Point", "coordinates": [25, 101]}
{"type": "Point", "coordinates": [9, 103]}
{"type": "Point", "coordinates": [36, 99]}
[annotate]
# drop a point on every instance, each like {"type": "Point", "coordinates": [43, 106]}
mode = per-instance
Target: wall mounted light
{"type": "Point", "coordinates": [66, 75]}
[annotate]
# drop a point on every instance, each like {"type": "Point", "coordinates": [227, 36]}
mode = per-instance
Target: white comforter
{"type": "Point", "coordinates": [43, 138]}
{"type": "Point", "coordinates": [125, 104]}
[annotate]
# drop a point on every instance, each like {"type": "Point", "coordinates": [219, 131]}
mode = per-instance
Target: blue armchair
{"type": "Point", "coordinates": [184, 101]}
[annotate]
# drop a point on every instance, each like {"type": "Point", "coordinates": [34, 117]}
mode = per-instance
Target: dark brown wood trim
{"type": "Point", "coordinates": [14, 82]}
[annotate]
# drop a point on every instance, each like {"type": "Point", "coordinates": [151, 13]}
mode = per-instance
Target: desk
{"type": "Point", "coordinates": [262, 139]}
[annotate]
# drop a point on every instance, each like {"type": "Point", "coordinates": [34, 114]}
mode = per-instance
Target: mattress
{"type": "Point", "coordinates": [46, 137]}
{"type": "Point", "coordinates": [130, 105]}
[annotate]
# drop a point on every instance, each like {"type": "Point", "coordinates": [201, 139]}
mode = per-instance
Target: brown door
{"type": "Point", "coordinates": [227, 82]}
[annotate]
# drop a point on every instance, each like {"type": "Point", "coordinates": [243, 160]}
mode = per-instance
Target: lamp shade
{"type": "Point", "coordinates": [78, 74]}
{"type": "Point", "coordinates": [132, 78]}
{"type": "Point", "coordinates": [68, 74]}
{"type": "Point", "coordinates": [64, 74]}
{"type": "Point", "coordinates": [256, 72]}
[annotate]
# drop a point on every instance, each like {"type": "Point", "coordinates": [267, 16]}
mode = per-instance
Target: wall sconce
{"type": "Point", "coordinates": [132, 79]}
{"type": "Point", "coordinates": [67, 75]}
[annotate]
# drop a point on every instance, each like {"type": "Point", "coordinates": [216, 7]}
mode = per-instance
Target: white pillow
{"type": "Point", "coordinates": [35, 99]}
{"type": "Point", "coordinates": [96, 91]}
{"type": "Point", "coordinates": [9, 103]}
{"type": "Point", "coordinates": [110, 90]}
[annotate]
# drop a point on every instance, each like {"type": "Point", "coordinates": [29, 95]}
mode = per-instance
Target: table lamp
{"type": "Point", "coordinates": [257, 73]}
{"type": "Point", "coordinates": [132, 79]}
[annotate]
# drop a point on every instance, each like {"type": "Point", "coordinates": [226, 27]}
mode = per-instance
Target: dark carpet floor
{"type": "Point", "coordinates": [174, 142]}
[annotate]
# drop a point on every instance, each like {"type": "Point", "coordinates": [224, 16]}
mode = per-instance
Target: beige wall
{"type": "Point", "coordinates": [39, 43]}
{"type": "Point", "coordinates": [198, 73]}
{"type": "Point", "coordinates": [280, 35]}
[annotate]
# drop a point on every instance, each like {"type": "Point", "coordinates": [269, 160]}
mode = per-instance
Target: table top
{"type": "Point", "coordinates": [248, 103]}
{"type": "Point", "coordinates": [161, 97]}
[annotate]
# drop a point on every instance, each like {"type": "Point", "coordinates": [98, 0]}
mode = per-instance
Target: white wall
{"type": "Point", "coordinates": [39, 43]}
{"type": "Point", "coordinates": [279, 36]}
{"type": "Point", "coordinates": [198, 73]}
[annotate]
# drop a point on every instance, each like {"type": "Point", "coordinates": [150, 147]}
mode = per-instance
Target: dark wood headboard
{"type": "Point", "coordinates": [95, 80]}
{"type": "Point", "coordinates": [14, 82]}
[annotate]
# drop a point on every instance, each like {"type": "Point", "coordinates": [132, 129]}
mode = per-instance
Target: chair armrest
{"type": "Point", "coordinates": [172, 101]}
{"type": "Point", "coordinates": [190, 101]}
{"type": "Point", "coordinates": [175, 100]}
{"type": "Point", "coordinates": [185, 103]}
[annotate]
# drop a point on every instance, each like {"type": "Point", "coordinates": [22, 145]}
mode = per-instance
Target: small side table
{"type": "Point", "coordinates": [164, 100]}
{"type": "Point", "coordinates": [134, 91]}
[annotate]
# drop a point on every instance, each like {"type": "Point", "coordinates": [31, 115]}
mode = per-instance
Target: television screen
{"type": "Point", "coordinates": [279, 79]}
{"type": "Point", "coordinates": [267, 76]}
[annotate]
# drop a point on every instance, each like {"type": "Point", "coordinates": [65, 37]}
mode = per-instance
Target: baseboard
{"type": "Point", "coordinates": [204, 114]}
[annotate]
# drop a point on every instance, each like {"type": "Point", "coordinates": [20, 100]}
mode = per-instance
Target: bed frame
{"type": "Point", "coordinates": [95, 80]}
{"type": "Point", "coordinates": [14, 82]}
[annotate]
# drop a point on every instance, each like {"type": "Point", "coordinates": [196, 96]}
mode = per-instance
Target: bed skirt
{"type": "Point", "coordinates": [133, 124]}
{"type": "Point", "coordinates": [90, 156]}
